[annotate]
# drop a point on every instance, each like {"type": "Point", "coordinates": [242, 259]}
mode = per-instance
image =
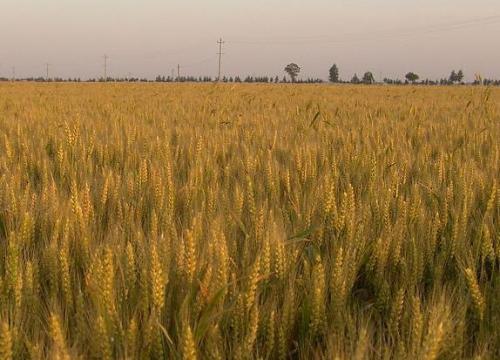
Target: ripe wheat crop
{"type": "Point", "coordinates": [249, 222]}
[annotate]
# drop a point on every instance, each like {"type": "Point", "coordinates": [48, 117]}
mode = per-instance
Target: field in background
{"type": "Point", "coordinates": [249, 221]}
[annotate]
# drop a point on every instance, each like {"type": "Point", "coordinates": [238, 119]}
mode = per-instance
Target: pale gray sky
{"type": "Point", "coordinates": [149, 37]}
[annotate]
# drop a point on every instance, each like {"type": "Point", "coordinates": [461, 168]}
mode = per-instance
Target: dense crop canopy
{"type": "Point", "coordinates": [249, 221]}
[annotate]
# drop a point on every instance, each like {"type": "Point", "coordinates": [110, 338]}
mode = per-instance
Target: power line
{"type": "Point", "coordinates": [105, 67]}
{"type": "Point", "coordinates": [220, 42]}
{"type": "Point", "coordinates": [345, 38]}
{"type": "Point", "coordinates": [189, 65]}
{"type": "Point", "coordinates": [377, 35]}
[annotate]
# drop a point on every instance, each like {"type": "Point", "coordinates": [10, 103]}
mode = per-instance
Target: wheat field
{"type": "Point", "coordinates": [214, 221]}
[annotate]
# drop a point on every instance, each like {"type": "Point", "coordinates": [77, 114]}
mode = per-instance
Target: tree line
{"type": "Point", "coordinates": [455, 77]}
{"type": "Point", "coordinates": [292, 70]}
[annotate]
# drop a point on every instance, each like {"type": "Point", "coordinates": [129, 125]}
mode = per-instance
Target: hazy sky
{"type": "Point", "coordinates": [150, 37]}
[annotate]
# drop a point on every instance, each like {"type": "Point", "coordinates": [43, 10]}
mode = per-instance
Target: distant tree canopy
{"type": "Point", "coordinates": [456, 77]}
{"type": "Point", "coordinates": [293, 71]}
{"type": "Point", "coordinates": [334, 74]}
{"type": "Point", "coordinates": [368, 78]}
{"type": "Point", "coordinates": [453, 76]}
{"type": "Point", "coordinates": [412, 77]}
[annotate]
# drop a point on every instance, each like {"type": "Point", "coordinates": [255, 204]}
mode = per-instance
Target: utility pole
{"type": "Point", "coordinates": [13, 73]}
{"type": "Point", "coordinates": [105, 67]}
{"type": "Point", "coordinates": [220, 42]}
{"type": "Point", "coordinates": [47, 71]}
{"type": "Point", "coordinates": [178, 72]}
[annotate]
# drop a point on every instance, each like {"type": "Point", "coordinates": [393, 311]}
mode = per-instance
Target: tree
{"type": "Point", "coordinates": [334, 74]}
{"type": "Point", "coordinates": [453, 76]}
{"type": "Point", "coordinates": [456, 77]}
{"type": "Point", "coordinates": [368, 78]}
{"type": "Point", "coordinates": [355, 79]}
{"type": "Point", "coordinates": [412, 77]}
{"type": "Point", "coordinates": [293, 71]}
